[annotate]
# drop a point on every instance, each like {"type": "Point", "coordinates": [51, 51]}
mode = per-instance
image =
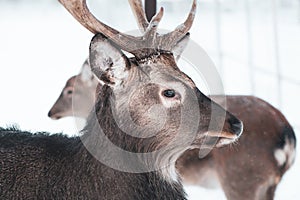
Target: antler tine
{"type": "Point", "coordinates": [152, 27]}
{"type": "Point", "coordinates": [139, 13]}
{"type": "Point", "coordinates": [183, 28]}
{"type": "Point", "coordinates": [186, 26]}
{"type": "Point", "coordinates": [81, 13]}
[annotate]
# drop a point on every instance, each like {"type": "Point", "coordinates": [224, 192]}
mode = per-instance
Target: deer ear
{"type": "Point", "coordinates": [108, 62]}
{"type": "Point", "coordinates": [85, 73]}
{"type": "Point", "coordinates": [180, 46]}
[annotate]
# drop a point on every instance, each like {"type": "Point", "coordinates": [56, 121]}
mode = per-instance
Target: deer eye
{"type": "Point", "coordinates": [70, 92]}
{"type": "Point", "coordinates": [169, 93]}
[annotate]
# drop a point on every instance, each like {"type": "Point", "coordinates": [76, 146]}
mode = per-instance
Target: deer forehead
{"type": "Point", "coordinates": [71, 81]}
{"type": "Point", "coordinates": [162, 69]}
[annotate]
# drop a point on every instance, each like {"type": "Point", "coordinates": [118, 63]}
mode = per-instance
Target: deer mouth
{"type": "Point", "coordinates": [224, 138]}
{"type": "Point", "coordinates": [215, 139]}
{"type": "Point", "coordinates": [229, 135]}
{"type": "Point", "coordinates": [54, 116]}
{"type": "Point", "coordinates": [221, 142]}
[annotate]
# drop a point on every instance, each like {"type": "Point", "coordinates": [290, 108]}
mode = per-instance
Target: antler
{"type": "Point", "coordinates": [81, 13]}
{"type": "Point", "coordinates": [140, 16]}
{"type": "Point", "coordinates": [183, 28]}
{"type": "Point", "coordinates": [139, 13]}
{"type": "Point", "coordinates": [150, 43]}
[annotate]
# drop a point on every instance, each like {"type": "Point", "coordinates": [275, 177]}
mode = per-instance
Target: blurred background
{"type": "Point", "coordinates": [255, 45]}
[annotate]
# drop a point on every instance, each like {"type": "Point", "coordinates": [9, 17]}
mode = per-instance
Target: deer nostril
{"type": "Point", "coordinates": [237, 127]}
{"type": "Point", "coordinates": [49, 114]}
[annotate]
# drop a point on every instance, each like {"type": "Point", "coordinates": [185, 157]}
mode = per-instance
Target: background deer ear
{"type": "Point", "coordinates": [108, 62]}
{"type": "Point", "coordinates": [86, 74]}
{"type": "Point", "coordinates": [180, 46]}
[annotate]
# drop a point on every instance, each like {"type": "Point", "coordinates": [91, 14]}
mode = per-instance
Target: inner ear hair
{"type": "Point", "coordinates": [107, 61]}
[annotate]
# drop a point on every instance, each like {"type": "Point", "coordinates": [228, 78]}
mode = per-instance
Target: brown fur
{"type": "Point", "coordinates": [248, 169]}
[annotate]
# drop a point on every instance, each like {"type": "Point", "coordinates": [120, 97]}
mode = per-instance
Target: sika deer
{"type": "Point", "coordinates": [267, 137]}
{"type": "Point", "coordinates": [156, 95]}
{"type": "Point", "coordinates": [83, 94]}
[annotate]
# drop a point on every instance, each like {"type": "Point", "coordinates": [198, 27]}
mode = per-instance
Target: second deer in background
{"type": "Point", "coordinates": [250, 170]}
{"type": "Point", "coordinates": [83, 94]}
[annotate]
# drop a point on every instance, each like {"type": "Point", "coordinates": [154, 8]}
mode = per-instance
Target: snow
{"type": "Point", "coordinates": [41, 46]}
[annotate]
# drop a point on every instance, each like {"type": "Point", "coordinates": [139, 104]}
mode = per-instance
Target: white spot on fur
{"type": "Point", "coordinates": [285, 155]}
{"type": "Point", "coordinates": [280, 156]}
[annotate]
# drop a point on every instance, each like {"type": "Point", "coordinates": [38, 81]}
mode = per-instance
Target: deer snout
{"type": "Point", "coordinates": [54, 115]}
{"type": "Point", "coordinates": [232, 130]}
{"type": "Point", "coordinates": [49, 114]}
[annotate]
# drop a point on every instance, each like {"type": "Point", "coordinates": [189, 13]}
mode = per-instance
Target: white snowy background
{"type": "Point", "coordinates": [255, 45]}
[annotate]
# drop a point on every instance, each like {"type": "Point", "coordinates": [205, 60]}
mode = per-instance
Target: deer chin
{"type": "Point", "coordinates": [225, 141]}
{"type": "Point", "coordinates": [56, 116]}
{"type": "Point", "coordinates": [214, 139]}
{"type": "Point", "coordinates": [223, 138]}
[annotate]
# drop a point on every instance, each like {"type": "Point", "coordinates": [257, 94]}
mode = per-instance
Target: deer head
{"type": "Point", "coordinates": [77, 97]}
{"type": "Point", "coordinates": [146, 102]}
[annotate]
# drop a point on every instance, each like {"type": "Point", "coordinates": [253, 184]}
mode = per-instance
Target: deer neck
{"type": "Point", "coordinates": [149, 184]}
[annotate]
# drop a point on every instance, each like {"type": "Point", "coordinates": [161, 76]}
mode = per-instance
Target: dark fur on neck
{"type": "Point", "coordinates": [43, 166]}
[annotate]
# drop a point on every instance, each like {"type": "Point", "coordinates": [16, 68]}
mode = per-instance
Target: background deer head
{"type": "Point", "coordinates": [77, 97]}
